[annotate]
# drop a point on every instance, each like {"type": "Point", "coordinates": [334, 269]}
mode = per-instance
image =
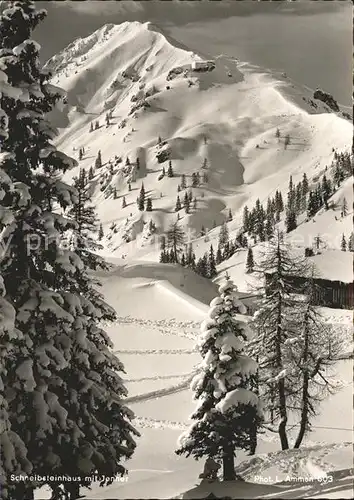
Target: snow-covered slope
{"type": "Point", "coordinates": [227, 115]}
{"type": "Point", "coordinates": [155, 338]}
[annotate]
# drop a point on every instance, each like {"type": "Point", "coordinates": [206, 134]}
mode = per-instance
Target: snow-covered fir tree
{"type": "Point", "coordinates": [64, 393]}
{"type": "Point", "coordinates": [13, 451]}
{"type": "Point", "coordinates": [351, 242]}
{"type": "Point", "coordinates": [228, 413]}
{"type": "Point", "coordinates": [186, 203]}
{"type": "Point", "coordinates": [183, 182]}
{"type": "Point", "coordinates": [344, 208]}
{"type": "Point", "coordinates": [141, 198]}
{"type": "Point", "coordinates": [250, 261]}
{"type": "Point", "coordinates": [178, 204]}
{"type": "Point", "coordinates": [343, 243]}
{"type": "Point", "coordinates": [170, 172]}
{"type": "Point", "coordinates": [212, 272]}
{"type": "Point", "coordinates": [223, 235]}
{"type": "Point", "coordinates": [91, 174]}
{"type": "Point", "coordinates": [98, 161]}
{"type": "Point", "coordinates": [148, 205]}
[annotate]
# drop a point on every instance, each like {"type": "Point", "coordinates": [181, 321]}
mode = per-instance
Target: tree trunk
{"type": "Point", "coordinates": [304, 412]}
{"type": "Point", "coordinates": [228, 464]}
{"type": "Point", "coordinates": [305, 389]}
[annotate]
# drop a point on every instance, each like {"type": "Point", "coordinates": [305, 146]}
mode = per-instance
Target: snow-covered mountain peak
{"type": "Point", "coordinates": [166, 104]}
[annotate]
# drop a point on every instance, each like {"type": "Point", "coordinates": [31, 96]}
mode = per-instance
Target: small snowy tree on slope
{"type": "Point", "coordinates": [228, 412]}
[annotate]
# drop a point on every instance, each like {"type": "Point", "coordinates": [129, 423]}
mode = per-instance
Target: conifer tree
{"type": "Point", "coordinates": [277, 133]}
{"type": "Point", "coordinates": [183, 260]}
{"type": "Point", "coordinates": [127, 162]}
{"type": "Point", "coordinates": [129, 186]}
{"type": "Point", "coordinates": [326, 190]}
{"type": "Point", "coordinates": [311, 205]}
{"type": "Point", "coordinates": [228, 412]}
{"type": "Point", "coordinates": [178, 188]}
{"type": "Point", "coordinates": [84, 215]}
{"type": "Point", "coordinates": [178, 204]}
{"type": "Point", "coordinates": [98, 161]}
{"type": "Point", "coordinates": [190, 196]}
{"type": "Point", "coordinates": [175, 240]}
{"type": "Point", "coordinates": [229, 215]}
{"type": "Point", "coordinates": [205, 163]}
{"type": "Point", "coordinates": [218, 255]}
{"type": "Point", "coordinates": [124, 202]}
{"type": "Point", "coordinates": [194, 180]}
{"type": "Point", "coordinates": [351, 242]}
{"type": "Point", "coordinates": [337, 174]}
{"type": "Point", "coordinates": [201, 267]}
{"type": "Point", "coordinates": [212, 272]}
{"type": "Point", "coordinates": [205, 178]}
{"type": "Point", "coordinates": [186, 203]}
{"type": "Point", "coordinates": [195, 203]}
{"type": "Point", "coordinates": [90, 173]}
{"type": "Point", "coordinates": [62, 398]}
{"type": "Point", "coordinates": [81, 154]}
{"type": "Point", "coordinates": [148, 205]}
{"type": "Point", "coordinates": [275, 324]}
{"type": "Point", "coordinates": [190, 258]}
{"type": "Point", "coordinates": [343, 244]}
{"type": "Point", "coordinates": [100, 232]}
{"type": "Point", "coordinates": [183, 182]}
{"type": "Point", "coordinates": [298, 198]}
{"type": "Point", "coordinates": [245, 219]}
{"type": "Point", "coordinates": [269, 226]}
{"type": "Point", "coordinates": [305, 185]}
{"type": "Point", "coordinates": [223, 235]}
{"type": "Point", "coordinates": [286, 141]}
{"type": "Point", "coordinates": [290, 222]}
{"type": "Point", "coordinates": [141, 198]}
{"type": "Point", "coordinates": [170, 169]}
{"type": "Point", "coordinates": [91, 127]}
{"type": "Point", "coordinates": [97, 125]}
{"type": "Point", "coordinates": [344, 208]}
{"type": "Point", "coordinates": [250, 261]}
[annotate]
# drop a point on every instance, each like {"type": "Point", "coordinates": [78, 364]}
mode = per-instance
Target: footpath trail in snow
{"type": "Point", "coordinates": [187, 329]}
{"type": "Point", "coordinates": [154, 351]}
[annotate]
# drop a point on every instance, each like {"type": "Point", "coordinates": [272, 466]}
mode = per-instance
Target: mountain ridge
{"type": "Point", "coordinates": [228, 116]}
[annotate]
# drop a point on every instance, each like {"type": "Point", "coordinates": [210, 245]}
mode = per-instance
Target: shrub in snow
{"type": "Point", "coordinates": [228, 411]}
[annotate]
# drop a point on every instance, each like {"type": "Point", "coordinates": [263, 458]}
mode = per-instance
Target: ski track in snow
{"type": "Point", "coordinates": [155, 351]}
{"type": "Point", "coordinates": [173, 389]}
{"type": "Point", "coordinates": [159, 424]}
{"type": "Point", "coordinates": [157, 377]}
{"type": "Point", "coordinates": [166, 327]}
{"type": "Point", "coordinates": [316, 454]}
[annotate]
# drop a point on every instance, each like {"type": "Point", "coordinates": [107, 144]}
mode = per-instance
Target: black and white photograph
{"type": "Point", "coordinates": [176, 249]}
